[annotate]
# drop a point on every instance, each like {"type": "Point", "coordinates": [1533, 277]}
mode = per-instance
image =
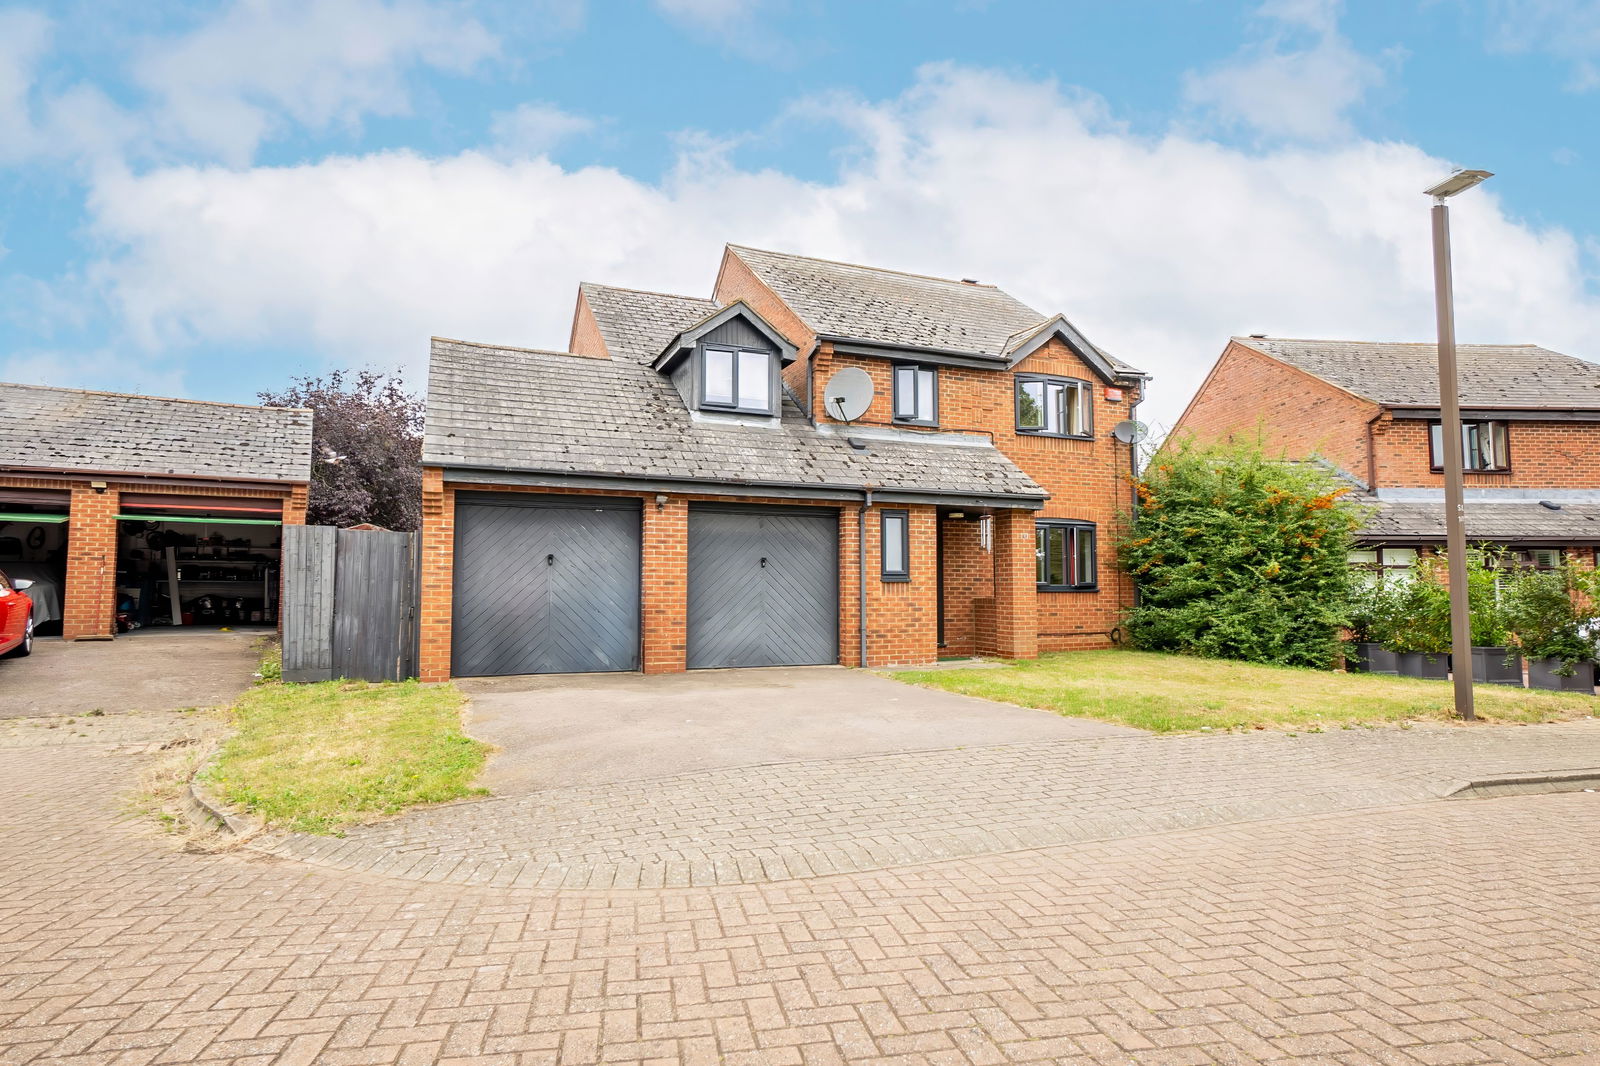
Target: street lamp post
{"type": "Point", "coordinates": [1450, 434]}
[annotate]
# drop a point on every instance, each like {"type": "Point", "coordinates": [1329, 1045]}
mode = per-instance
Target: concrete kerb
{"type": "Point", "coordinates": [1526, 784]}
{"type": "Point", "coordinates": [202, 806]}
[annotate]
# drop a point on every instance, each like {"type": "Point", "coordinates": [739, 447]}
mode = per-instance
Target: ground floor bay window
{"type": "Point", "coordinates": [1066, 555]}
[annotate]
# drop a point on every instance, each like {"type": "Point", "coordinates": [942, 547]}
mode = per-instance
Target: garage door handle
{"type": "Point", "coordinates": [550, 560]}
{"type": "Point", "coordinates": [763, 561]}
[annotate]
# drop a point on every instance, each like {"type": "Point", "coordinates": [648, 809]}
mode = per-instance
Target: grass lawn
{"type": "Point", "coordinates": [315, 758]}
{"type": "Point", "coordinates": [1174, 693]}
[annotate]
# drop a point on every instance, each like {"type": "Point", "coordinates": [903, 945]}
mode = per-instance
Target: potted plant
{"type": "Point", "coordinates": [1369, 624]}
{"type": "Point", "coordinates": [1418, 621]}
{"type": "Point", "coordinates": [1494, 662]}
{"type": "Point", "coordinates": [1548, 613]}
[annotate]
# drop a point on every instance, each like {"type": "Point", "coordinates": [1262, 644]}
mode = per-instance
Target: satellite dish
{"type": "Point", "coordinates": [1130, 432]}
{"type": "Point", "coordinates": [848, 394]}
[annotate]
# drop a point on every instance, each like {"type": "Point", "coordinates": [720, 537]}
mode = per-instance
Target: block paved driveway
{"type": "Point", "coordinates": [1436, 932]}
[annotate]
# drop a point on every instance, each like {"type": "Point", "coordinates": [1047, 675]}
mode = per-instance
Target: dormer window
{"type": "Point", "coordinates": [734, 379]}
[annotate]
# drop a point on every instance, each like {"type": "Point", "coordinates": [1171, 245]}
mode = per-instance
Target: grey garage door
{"type": "Point", "coordinates": [763, 587]}
{"type": "Point", "coordinates": [545, 585]}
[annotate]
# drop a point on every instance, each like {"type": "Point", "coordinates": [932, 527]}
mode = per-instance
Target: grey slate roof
{"type": "Point", "coordinates": [551, 412]}
{"type": "Point", "coordinates": [637, 324]}
{"type": "Point", "coordinates": [108, 432]}
{"type": "Point", "coordinates": [1407, 375]}
{"type": "Point", "coordinates": [1508, 522]}
{"type": "Point", "coordinates": [904, 310]}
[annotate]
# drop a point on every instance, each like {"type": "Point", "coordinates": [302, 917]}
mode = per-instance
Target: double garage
{"type": "Point", "coordinates": [552, 584]}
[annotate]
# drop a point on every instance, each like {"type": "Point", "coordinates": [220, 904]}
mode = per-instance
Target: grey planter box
{"type": "Point", "coordinates": [1364, 657]}
{"type": "Point", "coordinates": [1489, 667]}
{"type": "Point", "coordinates": [1542, 673]}
{"type": "Point", "coordinates": [1417, 664]}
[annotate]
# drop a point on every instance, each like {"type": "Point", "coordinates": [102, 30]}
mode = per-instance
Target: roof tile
{"type": "Point", "coordinates": [1407, 374]}
{"type": "Point", "coordinates": [44, 428]}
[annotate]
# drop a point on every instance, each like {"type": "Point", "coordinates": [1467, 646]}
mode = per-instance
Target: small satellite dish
{"type": "Point", "coordinates": [848, 394]}
{"type": "Point", "coordinates": [1130, 432]}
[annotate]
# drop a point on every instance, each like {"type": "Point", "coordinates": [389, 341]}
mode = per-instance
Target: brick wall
{"type": "Point", "coordinates": [901, 616]}
{"type": "Point", "coordinates": [586, 338]}
{"type": "Point", "coordinates": [968, 578]}
{"type": "Point", "coordinates": [1249, 394]}
{"type": "Point", "coordinates": [664, 613]}
{"type": "Point", "coordinates": [90, 599]}
{"type": "Point", "coordinates": [735, 281]}
{"type": "Point", "coordinates": [438, 568]}
{"type": "Point", "coordinates": [1086, 479]}
{"type": "Point", "coordinates": [1552, 455]}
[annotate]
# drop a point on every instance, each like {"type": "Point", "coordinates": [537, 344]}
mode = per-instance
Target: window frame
{"type": "Point", "coordinates": [902, 516]}
{"type": "Point", "coordinates": [1072, 530]}
{"type": "Point", "coordinates": [1079, 385]}
{"type": "Point", "coordinates": [1436, 460]}
{"type": "Point", "coordinates": [735, 352]}
{"type": "Point", "coordinates": [1382, 569]}
{"type": "Point", "coordinates": [917, 369]}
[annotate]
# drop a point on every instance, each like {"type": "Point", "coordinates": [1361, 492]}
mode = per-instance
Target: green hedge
{"type": "Point", "coordinates": [1237, 555]}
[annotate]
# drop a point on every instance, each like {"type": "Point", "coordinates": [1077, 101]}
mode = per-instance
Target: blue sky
{"type": "Point", "coordinates": [204, 199]}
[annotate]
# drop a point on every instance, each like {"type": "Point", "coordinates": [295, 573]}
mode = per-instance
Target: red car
{"type": "Point", "coordinates": [16, 617]}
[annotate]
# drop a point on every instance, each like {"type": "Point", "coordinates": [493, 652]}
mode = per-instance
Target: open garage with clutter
{"type": "Point", "coordinates": [128, 512]}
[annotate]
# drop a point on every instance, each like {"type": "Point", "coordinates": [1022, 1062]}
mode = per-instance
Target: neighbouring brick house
{"type": "Point", "coordinates": [671, 493]}
{"type": "Point", "coordinates": [87, 477]}
{"type": "Point", "coordinates": [1530, 431]}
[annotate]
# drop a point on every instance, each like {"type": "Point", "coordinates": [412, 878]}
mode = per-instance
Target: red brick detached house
{"type": "Point", "coordinates": [1531, 436]}
{"type": "Point", "coordinates": [87, 477]}
{"type": "Point", "coordinates": [672, 493]}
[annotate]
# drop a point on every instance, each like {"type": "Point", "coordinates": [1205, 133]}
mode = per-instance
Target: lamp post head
{"type": "Point", "coordinates": [1460, 181]}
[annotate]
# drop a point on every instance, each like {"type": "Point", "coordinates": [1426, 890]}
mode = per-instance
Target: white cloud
{"type": "Point", "coordinates": [1566, 29]}
{"type": "Point", "coordinates": [233, 82]}
{"type": "Point", "coordinates": [717, 15]}
{"type": "Point", "coordinates": [1286, 85]}
{"type": "Point", "coordinates": [24, 36]}
{"type": "Point", "coordinates": [535, 128]}
{"type": "Point", "coordinates": [1159, 248]}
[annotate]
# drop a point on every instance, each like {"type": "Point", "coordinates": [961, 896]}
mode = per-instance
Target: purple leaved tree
{"type": "Point", "coordinates": [366, 448]}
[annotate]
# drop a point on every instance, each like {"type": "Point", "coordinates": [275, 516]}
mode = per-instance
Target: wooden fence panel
{"type": "Point", "coordinates": [373, 615]}
{"type": "Point", "coordinates": [308, 589]}
{"type": "Point", "coordinates": [350, 604]}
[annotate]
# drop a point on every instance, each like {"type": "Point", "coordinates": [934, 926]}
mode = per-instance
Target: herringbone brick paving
{"type": "Point", "coordinates": [752, 824]}
{"type": "Point", "coordinates": [1423, 934]}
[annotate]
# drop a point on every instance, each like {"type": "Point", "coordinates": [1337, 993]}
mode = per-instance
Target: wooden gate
{"type": "Point", "coordinates": [349, 604]}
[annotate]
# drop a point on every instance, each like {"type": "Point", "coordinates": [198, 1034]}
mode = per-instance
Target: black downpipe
{"type": "Point", "coordinates": [861, 573]}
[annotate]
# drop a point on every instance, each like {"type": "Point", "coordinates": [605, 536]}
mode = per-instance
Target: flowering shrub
{"type": "Point", "coordinates": [1239, 556]}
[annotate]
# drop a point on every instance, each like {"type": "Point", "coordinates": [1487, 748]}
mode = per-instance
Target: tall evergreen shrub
{"type": "Point", "coordinates": [1237, 555]}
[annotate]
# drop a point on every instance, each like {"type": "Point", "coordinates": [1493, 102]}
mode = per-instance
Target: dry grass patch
{"type": "Point", "coordinates": [1175, 693]}
{"type": "Point", "coordinates": [316, 758]}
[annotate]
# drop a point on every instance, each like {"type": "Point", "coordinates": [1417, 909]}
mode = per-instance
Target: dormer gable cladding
{"type": "Point", "coordinates": [721, 326]}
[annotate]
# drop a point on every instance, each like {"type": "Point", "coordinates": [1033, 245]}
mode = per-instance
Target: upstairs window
{"type": "Point", "coordinates": [736, 380]}
{"type": "Point", "coordinates": [1054, 407]}
{"type": "Point", "coordinates": [1483, 446]}
{"type": "Point", "coordinates": [916, 395]}
{"type": "Point", "coordinates": [1066, 553]}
